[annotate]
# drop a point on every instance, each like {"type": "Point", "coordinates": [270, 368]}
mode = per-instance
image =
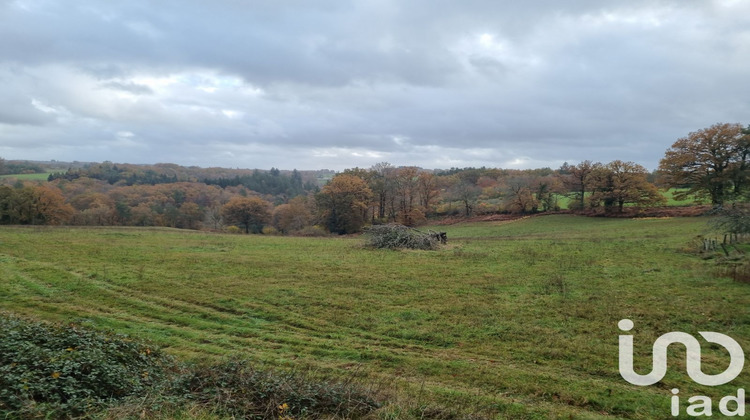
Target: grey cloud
{"type": "Point", "coordinates": [334, 83]}
{"type": "Point", "coordinates": [20, 110]}
{"type": "Point", "coordinates": [130, 87]}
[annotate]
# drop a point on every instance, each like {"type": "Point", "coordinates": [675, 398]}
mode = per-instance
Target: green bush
{"type": "Point", "coordinates": [270, 230]}
{"type": "Point", "coordinates": [233, 230]}
{"type": "Point", "coordinates": [65, 371]}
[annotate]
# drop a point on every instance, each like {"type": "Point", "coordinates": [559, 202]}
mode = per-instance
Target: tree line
{"type": "Point", "coordinates": [351, 199]}
{"type": "Point", "coordinates": [710, 164]}
{"type": "Point", "coordinates": [21, 167]}
{"type": "Point", "coordinates": [272, 182]}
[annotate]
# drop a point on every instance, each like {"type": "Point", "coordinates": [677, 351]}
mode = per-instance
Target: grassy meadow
{"type": "Point", "coordinates": [29, 177]}
{"type": "Point", "coordinates": [564, 201]}
{"type": "Point", "coordinates": [509, 320]}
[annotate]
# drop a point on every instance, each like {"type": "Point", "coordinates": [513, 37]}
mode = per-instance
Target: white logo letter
{"type": "Point", "coordinates": [659, 354]}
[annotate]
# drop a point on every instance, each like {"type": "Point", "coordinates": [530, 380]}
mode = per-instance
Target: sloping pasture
{"type": "Point", "coordinates": [515, 319]}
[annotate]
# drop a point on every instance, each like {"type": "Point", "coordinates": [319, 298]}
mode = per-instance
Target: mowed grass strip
{"type": "Point", "coordinates": [29, 177]}
{"type": "Point", "coordinates": [517, 318]}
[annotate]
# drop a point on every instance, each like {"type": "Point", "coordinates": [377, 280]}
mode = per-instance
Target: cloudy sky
{"type": "Point", "coordinates": [313, 84]}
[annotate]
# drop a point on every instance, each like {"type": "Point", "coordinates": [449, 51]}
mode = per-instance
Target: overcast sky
{"type": "Point", "coordinates": [314, 84]}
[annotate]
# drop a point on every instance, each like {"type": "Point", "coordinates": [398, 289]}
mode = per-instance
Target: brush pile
{"type": "Point", "coordinates": [395, 236]}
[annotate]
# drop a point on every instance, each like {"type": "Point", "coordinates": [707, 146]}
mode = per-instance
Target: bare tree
{"type": "Point", "coordinates": [465, 192]}
{"type": "Point", "coordinates": [381, 185]}
{"type": "Point", "coordinates": [427, 187]}
{"type": "Point", "coordinates": [520, 195]}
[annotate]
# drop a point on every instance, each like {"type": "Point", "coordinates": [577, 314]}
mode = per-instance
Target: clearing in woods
{"type": "Point", "coordinates": [29, 177]}
{"type": "Point", "coordinates": [515, 319]}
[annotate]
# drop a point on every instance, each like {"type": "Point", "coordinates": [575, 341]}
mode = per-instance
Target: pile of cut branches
{"type": "Point", "coordinates": [395, 236]}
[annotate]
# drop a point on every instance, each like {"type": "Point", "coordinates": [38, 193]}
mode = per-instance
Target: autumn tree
{"type": "Point", "coordinates": [190, 216]}
{"type": "Point", "coordinates": [34, 205]}
{"type": "Point", "coordinates": [618, 183]}
{"type": "Point", "coordinates": [403, 195]}
{"type": "Point", "coordinates": [249, 213]}
{"type": "Point", "coordinates": [372, 179]}
{"type": "Point", "coordinates": [711, 163]}
{"type": "Point", "coordinates": [343, 203]}
{"type": "Point", "coordinates": [50, 206]}
{"type": "Point", "coordinates": [578, 180]}
{"type": "Point", "coordinates": [93, 208]}
{"type": "Point", "coordinates": [143, 215]}
{"type": "Point", "coordinates": [293, 216]}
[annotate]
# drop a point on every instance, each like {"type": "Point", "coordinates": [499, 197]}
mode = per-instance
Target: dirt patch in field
{"type": "Point", "coordinates": [652, 212]}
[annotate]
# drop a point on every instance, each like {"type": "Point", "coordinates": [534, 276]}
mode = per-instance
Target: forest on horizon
{"type": "Point", "coordinates": [707, 166]}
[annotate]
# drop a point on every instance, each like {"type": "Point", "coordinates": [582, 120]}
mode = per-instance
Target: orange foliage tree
{"type": "Point", "coordinates": [249, 213]}
{"type": "Point", "coordinates": [343, 203]}
{"type": "Point", "coordinates": [618, 183]}
{"type": "Point", "coordinates": [292, 216]}
{"type": "Point", "coordinates": [51, 208]}
{"type": "Point", "coordinates": [711, 162]}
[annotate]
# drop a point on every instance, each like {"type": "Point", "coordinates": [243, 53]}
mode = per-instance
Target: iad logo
{"type": "Point", "coordinates": [693, 357]}
{"type": "Point", "coordinates": [702, 404]}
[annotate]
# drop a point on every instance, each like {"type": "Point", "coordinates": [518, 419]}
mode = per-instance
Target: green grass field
{"type": "Point", "coordinates": [672, 201]}
{"type": "Point", "coordinates": [29, 177]}
{"type": "Point", "coordinates": [509, 320]}
{"type": "Point", "coordinates": [564, 201]}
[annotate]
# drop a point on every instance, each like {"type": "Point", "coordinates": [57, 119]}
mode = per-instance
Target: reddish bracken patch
{"type": "Point", "coordinates": [646, 212]}
{"type": "Point", "coordinates": [452, 220]}
{"type": "Point", "coordinates": [688, 211]}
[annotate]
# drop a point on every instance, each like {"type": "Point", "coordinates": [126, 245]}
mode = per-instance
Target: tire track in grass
{"type": "Point", "coordinates": [220, 322]}
{"type": "Point", "coordinates": [424, 355]}
{"type": "Point", "coordinates": [197, 328]}
{"type": "Point", "coordinates": [107, 301]}
{"type": "Point", "coordinates": [211, 321]}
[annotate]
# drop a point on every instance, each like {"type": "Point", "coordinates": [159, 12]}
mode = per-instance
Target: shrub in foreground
{"type": "Point", "coordinates": [61, 371]}
{"type": "Point", "coordinates": [66, 371]}
{"type": "Point", "coordinates": [238, 390]}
